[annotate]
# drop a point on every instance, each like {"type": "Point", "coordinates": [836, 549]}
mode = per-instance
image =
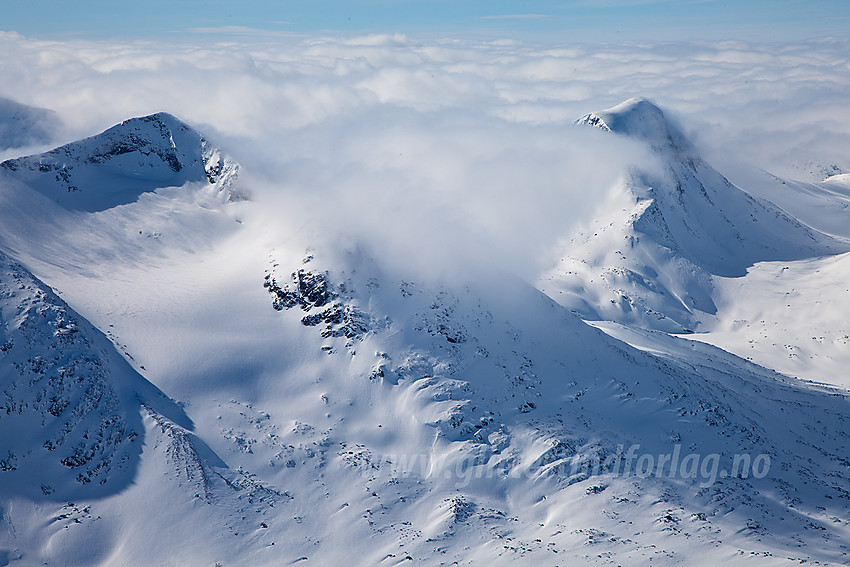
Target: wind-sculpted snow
{"type": "Point", "coordinates": [113, 168]}
{"type": "Point", "coordinates": [352, 408]}
{"type": "Point", "coordinates": [666, 229]}
{"type": "Point", "coordinates": [517, 390]}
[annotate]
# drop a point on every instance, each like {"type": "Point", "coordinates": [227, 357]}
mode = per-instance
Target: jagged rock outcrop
{"type": "Point", "coordinates": [324, 302]}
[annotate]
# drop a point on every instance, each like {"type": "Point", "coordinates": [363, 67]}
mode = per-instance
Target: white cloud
{"type": "Point", "coordinates": [465, 146]}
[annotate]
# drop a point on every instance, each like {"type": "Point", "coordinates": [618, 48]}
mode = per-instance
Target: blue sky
{"type": "Point", "coordinates": [579, 20]}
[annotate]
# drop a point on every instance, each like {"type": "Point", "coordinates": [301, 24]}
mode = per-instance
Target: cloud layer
{"type": "Point", "coordinates": [766, 103]}
{"type": "Point", "coordinates": [451, 140]}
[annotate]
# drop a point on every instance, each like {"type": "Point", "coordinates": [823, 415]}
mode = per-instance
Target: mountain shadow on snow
{"type": "Point", "coordinates": [70, 405]}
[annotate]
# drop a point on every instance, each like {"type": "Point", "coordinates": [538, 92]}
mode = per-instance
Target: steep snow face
{"type": "Point", "coordinates": [22, 125]}
{"type": "Point", "coordinates": [69, 416]}
{"type": "Point", "coordinates": [115, 167]}
{"type": "Point", "coordinates": [823, 206]}
{"type": "Point", "coordinates": [650, 255]}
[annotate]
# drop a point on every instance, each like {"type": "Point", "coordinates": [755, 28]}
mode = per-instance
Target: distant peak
{"type": "Point", "coordinates": [638, 118]}
{"type": "Point", "coordinates": [163, 118]}
{"type": "Point", "coordinates": [153, 126]}
{"type": "Point", "coordinates": [114, 167]}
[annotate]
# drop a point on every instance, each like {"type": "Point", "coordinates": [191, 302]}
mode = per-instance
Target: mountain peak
{"type": "Point", "coordinates": [156, 128]}
{"type": "Point", "coordinates": [684, 224]}
{"type": "Point", "coordinates": [116, 166]}
{"type": "Point", "coordinates": [638, 118]}
{"type": "Point", "coordinates": [161, 117]}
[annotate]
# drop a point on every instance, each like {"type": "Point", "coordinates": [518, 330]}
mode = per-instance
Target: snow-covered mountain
{"type": "Point", "coordinates": [649, 258]}
{"type": "Point", "coordinates": [69, 416]}
{"type": "Point", "coordinates": [822, 205]}
{"type": "Point", "coordinates": [330, 408]}
{"type": "Point", "coordinates": [22, 125]}
{"type": "Point", "coordinates": [75, 420]}
{"type": "Point", "coordinates": [115, 167]}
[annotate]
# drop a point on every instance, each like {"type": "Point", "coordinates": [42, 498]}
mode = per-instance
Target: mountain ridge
{"type": "Point", "coordinates": [116, 166]}
{"type": "Point", "coordinates": [649, 259]}
{"type": "Point", "coordinates": [68, 395]}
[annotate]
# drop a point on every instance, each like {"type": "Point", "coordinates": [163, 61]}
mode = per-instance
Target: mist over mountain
{"type": "Point", "coordinates": [650, 257]}
{"type": "Point", "coordinates": [403, 326]}
{"type": "Point", "coordinates": [22, 125]}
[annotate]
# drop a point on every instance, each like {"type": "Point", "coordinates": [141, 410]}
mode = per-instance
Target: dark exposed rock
{"type": "Point", "coordinates": [306, 290]}
{"type": "Point", "coordinates": [313, 292]}
{"type": "Point", "coordinates": [56, 385]}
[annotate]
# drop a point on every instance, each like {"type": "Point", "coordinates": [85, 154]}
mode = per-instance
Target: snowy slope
{"type": "Point", "coordinates": [789, 316]}
{"type": "Point", "coordinates": [73, 433]}
{"type": "Point", "coordinates": [650, 256]}
{"type": "Point", "coordinates": [520, 387]}
{"type": "Point", "coordinates": [22, 125]}
{"type": "Point", "coordinates": [115, 167]}
{"type": "Point", "coordinates": [823, 206]}
{"type": "Point", "coordinates": [345, 410]}
{"type": "Point", "coordinates": [71, 424]}
{"type": "Point", "coordinates": [67, 411]}
{"type": "Point", "coordinates": [433, 422]}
